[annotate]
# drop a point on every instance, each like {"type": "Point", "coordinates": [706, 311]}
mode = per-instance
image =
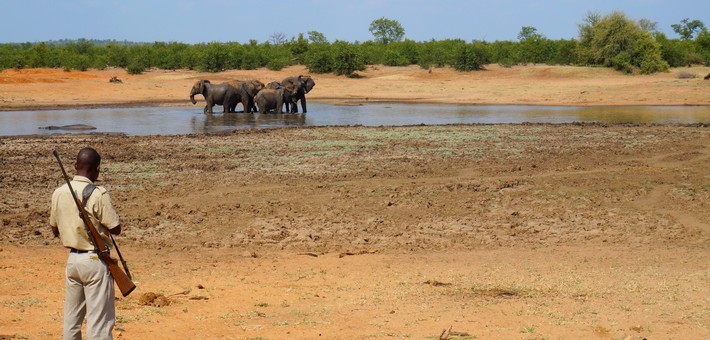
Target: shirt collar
{"type": "Point", "coordinates": [82, 179]}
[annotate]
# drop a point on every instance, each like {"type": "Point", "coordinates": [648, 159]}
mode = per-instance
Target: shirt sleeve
{"type": "Point", "coordinates": [107, 214]}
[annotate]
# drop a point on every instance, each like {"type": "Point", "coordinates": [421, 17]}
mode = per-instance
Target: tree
{"type": "Point", "coordinates": [648, 25]}
{"type": "Point", "coordinates": [386, 30]}
{"type": "Point", "coordinates": [586, 30]}
{"type": "Point", "coordinates": [317, 37]}
{"type": "Point", "coordinates": [687, 28]}
{"type": "Point", "coordinates": [531, 45]}
{"type": "Point", "coordinates": [528, 32]}
{"type": "Point", "coordinates": [619, 42]}
{"type": "Point", "coordinates": [277, 38]}
{"type": "Point", "coordinates": [702, 43]}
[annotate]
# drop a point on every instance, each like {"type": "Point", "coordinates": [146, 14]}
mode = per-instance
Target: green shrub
{"type": "Point", "coordinates": [469, 57]}
{"type": "Point", "coordinates": [277, 64]}
{"type": "Point", "coordinates": [622, 62]}
{"type": "Point", "coordinates": [393, 58]}
{"type": "Point", "coordinates": [135, 67]}
{"type": "Point", "coordinates": [214, 58]}
{"type": "Point", "coordinates": [278, 57]}
{"type": "Point", "coordinates": [318, 58]}
{"type": "Point", "coordinates": [507, 63]}
{"type": "Point", "coordinates": [652, 64]}
{"type": "Point", "coordinates": [346, 59]}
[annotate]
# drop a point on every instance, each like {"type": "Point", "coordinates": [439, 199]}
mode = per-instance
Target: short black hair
{"type": "Point", "coordinates": [89, 158]}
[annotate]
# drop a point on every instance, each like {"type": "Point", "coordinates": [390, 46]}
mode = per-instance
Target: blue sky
{"type": "Point", "coordinates": [195, 21]}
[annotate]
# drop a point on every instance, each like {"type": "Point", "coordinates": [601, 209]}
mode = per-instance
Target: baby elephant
{"type": "Point", "coordinates": [270, 99]}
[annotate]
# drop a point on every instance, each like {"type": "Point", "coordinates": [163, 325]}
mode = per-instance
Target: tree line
{"type": "Point", "coordinates": [612, 40]}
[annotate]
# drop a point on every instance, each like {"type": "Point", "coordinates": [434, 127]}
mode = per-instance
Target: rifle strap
{"type": "Point", "coordinates": [88, 190]}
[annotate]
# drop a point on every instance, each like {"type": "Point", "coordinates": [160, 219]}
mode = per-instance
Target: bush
{"type": "Point", "coordinates": [469, 57]}
{"type": "Point", "coordinates": [346, 59]}
{"type": "Point", "coordinates": [318, 58]}
{"type": "Point", "coordinates": [277, 64]}
{"type": "Point", "coordinates": [278, 57]}
{"type": "Point", "coordinates": [251, 58]}
{"type": "Point", "coordinates": [135, 67]}
{"type": "Point", "coordinates": [652, 64]}
{"type": "Point", "coordinates": [214, 58]}
{"type": "Point", "coordinates": [622, 62]}
{"type": "Point", "coordinates": [393, 58]}
{"type": "Point", "coordinates": [507, 63]}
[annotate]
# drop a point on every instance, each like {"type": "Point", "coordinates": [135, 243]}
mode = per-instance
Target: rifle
{"type": "Point", "coordinates": [124, 283]}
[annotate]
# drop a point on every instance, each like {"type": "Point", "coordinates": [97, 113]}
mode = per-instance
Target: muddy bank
{"type": "Point", "coordinates": [396, 188]}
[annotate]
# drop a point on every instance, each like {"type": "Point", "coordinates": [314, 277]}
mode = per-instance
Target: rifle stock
{"type": "Point", "coordinates": [124, 283]}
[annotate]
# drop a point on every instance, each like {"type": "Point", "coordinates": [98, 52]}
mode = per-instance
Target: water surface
{"type": "Point", "coordinates": [189, 119]}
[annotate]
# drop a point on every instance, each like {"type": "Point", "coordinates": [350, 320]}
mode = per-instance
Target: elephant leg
{"type": "Point", "coordinates": [208, 106]}
{"type": "Point", "coordinates": [248, 104]}
{"type": "Point", "coordinates": [303, 104]}
{"type": "Point", "coordinates": [226, 104]}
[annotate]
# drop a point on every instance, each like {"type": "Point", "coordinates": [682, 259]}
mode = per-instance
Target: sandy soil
{"type": "Point", "coordinates": [480, 231]}
{"type": "Point", "coordinates": [539, 85]}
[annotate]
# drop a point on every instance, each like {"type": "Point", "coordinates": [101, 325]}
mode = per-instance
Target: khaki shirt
{"type": "Point", "coordinates": [65, 216]}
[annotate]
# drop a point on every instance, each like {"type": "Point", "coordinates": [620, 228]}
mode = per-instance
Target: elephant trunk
{"type": "Point", "coordinates": [192, 96]}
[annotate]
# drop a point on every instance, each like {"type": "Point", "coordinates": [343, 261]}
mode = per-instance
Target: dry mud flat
{"type": "Point", "coordinates": [483, 231]}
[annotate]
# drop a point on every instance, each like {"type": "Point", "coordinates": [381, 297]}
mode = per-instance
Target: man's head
{"type": "Point", "coordinates": [87, 163]}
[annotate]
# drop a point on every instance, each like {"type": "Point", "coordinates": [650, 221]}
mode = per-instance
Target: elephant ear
{"type": "Point", "coordinates": [204, 84]}
{"type": "Point", "coordinates": [308, 84]}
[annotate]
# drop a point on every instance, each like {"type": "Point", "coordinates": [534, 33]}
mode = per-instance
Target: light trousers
{"type": "Point", "coordinates": [90, 293]}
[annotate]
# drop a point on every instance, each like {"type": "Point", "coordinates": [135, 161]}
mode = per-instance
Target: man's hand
{"type": "Point", "coordinates": [55, 231]}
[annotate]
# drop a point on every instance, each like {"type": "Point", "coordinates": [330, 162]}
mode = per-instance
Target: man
{"type": "Point", "coordinates": [89, 285]}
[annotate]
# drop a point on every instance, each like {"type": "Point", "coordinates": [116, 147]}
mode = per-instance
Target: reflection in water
{"type": "Point", "coordinates": [230, 121]}
{"type": "Point", "coordinates": [186, 119]}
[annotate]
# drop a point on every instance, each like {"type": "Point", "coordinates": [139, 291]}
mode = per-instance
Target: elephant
{"type": "Point", "coordinates": [218, 94]}
{"type": "Point", "coordinates": [252, 87]}
{"type": "Point", "coordinates": [274, 85]}
{"type": "Point", "coordinates": [297, 87]}
{"type": "Point", "coordinates": [270, 99]}
{"type": "Point", "coordinates": [287, 97]}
